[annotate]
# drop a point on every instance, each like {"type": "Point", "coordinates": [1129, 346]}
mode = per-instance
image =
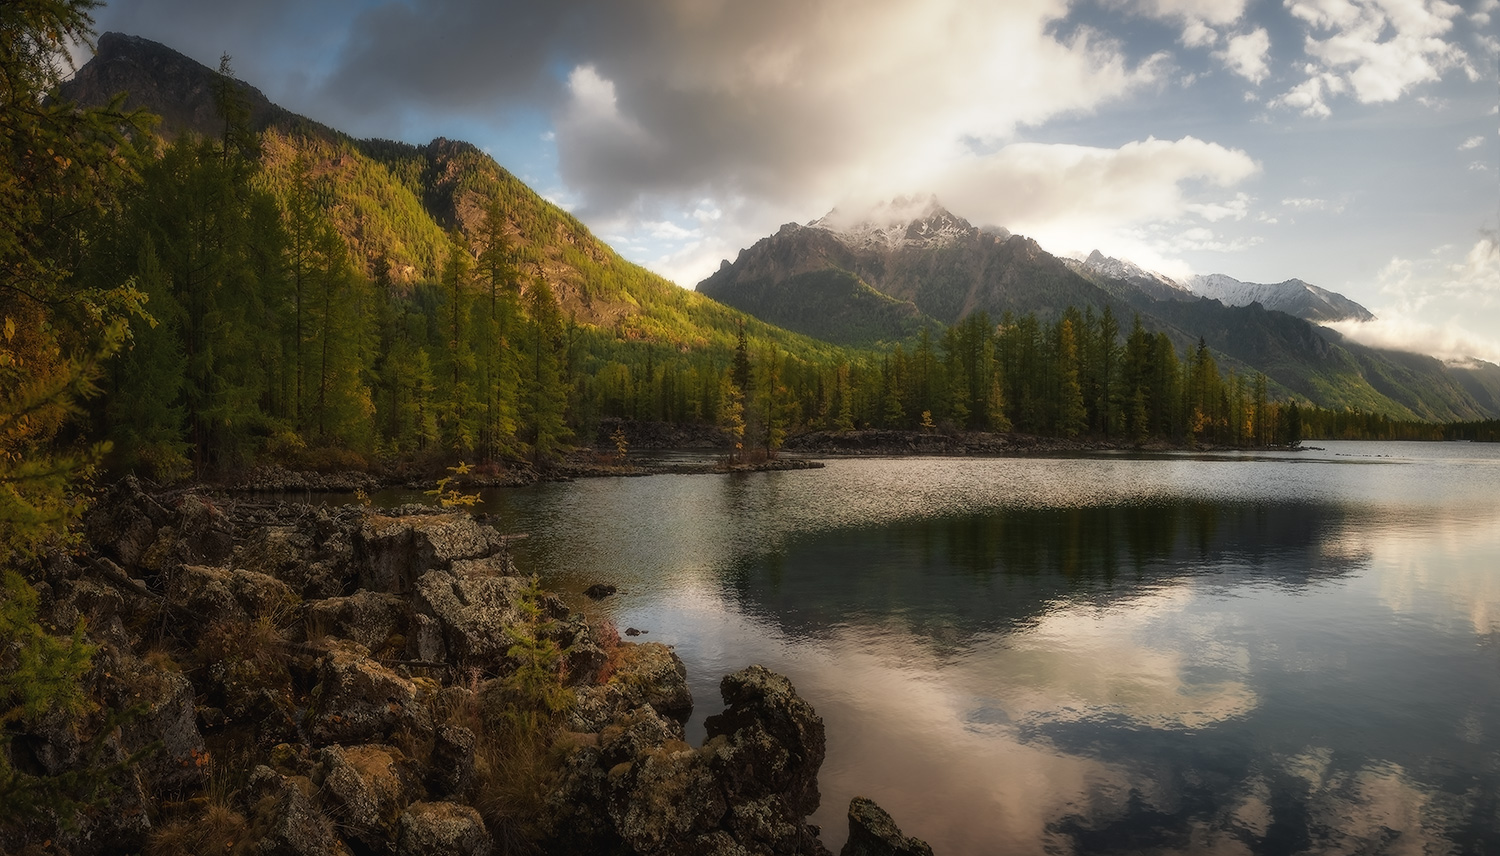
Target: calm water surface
{"type": "Point", "coordinates": [1256, 653]}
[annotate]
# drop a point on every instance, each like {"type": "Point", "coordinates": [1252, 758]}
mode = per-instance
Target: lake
{"type": "Point", "coordinates": [1227, 653]}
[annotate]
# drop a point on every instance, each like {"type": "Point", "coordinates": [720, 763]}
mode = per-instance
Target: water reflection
{"type": "Point", "coordinates": [946, 579]}
{"type": "Point", "coordinates": [1242, 654]}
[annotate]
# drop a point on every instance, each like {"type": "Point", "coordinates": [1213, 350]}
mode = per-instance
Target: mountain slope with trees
{"type": "Point", "coordinates": [947, 269]}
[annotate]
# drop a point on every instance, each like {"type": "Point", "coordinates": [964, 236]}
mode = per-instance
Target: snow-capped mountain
{"type": "Point", "coordinates": [1294, 297]}
{"type": "Point", "coordinates": [1157, 286]}
{"type": "Point", "coordinates": [901, 222]}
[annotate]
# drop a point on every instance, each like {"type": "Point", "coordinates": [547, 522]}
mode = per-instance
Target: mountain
{"type": "Point", "coordinates": [932, 265]}
{"type": "Point", "coordinates": [1150, 283]}
{"type": "Point", "coordinates": [397, 204]}
{"type": "Point", "coordinates": [179, 89]}
{"type": "Point", "coordinates": [1294, 297]}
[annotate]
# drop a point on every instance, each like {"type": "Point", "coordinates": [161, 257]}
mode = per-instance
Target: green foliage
{"type": "Point", "coordinates": [447, 493]}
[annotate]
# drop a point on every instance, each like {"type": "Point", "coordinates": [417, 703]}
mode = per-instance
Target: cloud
{"type": "Point", "coordinates": [1246, 54]}
{"type": "Point", "coordinates": [788, 102]}
{"type": "Point", "coordinates": [1415, 285]}
{"type": "Point", "coordinates": [1379, 50]}
{"type": "Point", "coordinates": [1310, 96]}
{"type": "Point", "coordinates": [1471, 143]}
{"type": "Point", "coordinates": [1196, 34]}
{"type": "Point", "coordinates": [1449, 341]}
{"type": "Point", "coordinates": [1031, 187]}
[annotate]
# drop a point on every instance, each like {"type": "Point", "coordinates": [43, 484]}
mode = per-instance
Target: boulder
{"type": "Point", "coordinates": [371, 618]}
{"type": "Point", "coordinates": [771, 741]}
{"type": "Point", "coordinates": [474, 613]}
{"type": "Point", "coordinates": [392, 553]}
{"type": "Point", "coordinates": [637, 787]}
{"type": "Point", "coordinates": [365, 789]}
{"type": "Point", "coordinates": [442, 829]}
{"type": "Point", "coordinates": [357, 700]}
{"type": "Point", "coordinates": [872, 832]}
{"type": "Point", "coordinates": [294, 826]}
{"type": "Point", "coordinates": [451, 765]}
{"type": "Point", "coordinates": [223, 595]}
{"type": "Point", "coordinates": [124, 523]}
{"type": "Point", "coordinates": [648, 673]}
{"type": "Point", "coordinates": [165, 712]}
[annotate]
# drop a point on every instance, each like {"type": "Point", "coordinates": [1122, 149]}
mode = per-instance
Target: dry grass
{"type": "Point", "coordinates": [208, 824]}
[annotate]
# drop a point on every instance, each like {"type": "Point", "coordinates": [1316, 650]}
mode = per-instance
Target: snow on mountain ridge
{"type": "Point", "coordinates": [903, 221]}
{"type": "Point", "coordinates": [1293, 297]}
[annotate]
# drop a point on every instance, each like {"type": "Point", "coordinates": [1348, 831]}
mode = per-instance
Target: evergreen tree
{"type": "Point", "coordinates": [546, 395]}
{"type": "Point", "coordinates": [1072, 417]}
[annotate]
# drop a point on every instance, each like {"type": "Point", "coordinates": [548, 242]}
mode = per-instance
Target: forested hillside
{"type": "Point", "coordinates": [325, 301]}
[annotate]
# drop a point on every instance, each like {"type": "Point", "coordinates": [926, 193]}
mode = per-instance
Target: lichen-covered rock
{"type": "Point", "coordinates": [872, 832]}
{"type": "Point", "coordinates": [665, 800]}
{"type": "Point", "coordinates": [373, 619]}
{"type": "Point", "coordinates": [648, 673]}
{"type": "Point", "coordinates": [294, 826]}
{"type": "Point", "coordinates": [227, 595]}
{"type": "Point", "coordinates": [584, 657]}
{"type": "Point", "coordinates": [165, 712]}
{"type": "Point", "coordinates": [749, 789]}
{"type": "Point", "coordinates": [473, 612]}
{"type": "Point", "coordinates": [451, 765]}
{"type": "Point", "coordinates": [357, 700]}
{"type": "Point", "coordinates": [124, 522]}
{"type": "Point", "coordinates": [774, 741]}
{"type": "Point", "coordinates": [364, 789]}
{"type": "Point", "coordinates": [394, 552]}
{"type": "Point", "coordinates": [442, 829]}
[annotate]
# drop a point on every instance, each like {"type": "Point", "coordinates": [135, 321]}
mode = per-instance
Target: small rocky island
{"type": "Point", "coordinates": [294, 680]}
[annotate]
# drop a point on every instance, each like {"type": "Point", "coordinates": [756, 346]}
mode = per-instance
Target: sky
{"type": "Point", "coordinates": [1349, 143]}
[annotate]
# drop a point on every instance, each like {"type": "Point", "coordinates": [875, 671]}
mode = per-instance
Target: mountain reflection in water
{"type": "Point", "coordinates": [1228, 654]}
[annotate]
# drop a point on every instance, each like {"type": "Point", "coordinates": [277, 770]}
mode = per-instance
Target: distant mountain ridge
{"type": "Point", "coordinates": [1294, 297]}
{"type": "Point", "coordinates": [934, 266]}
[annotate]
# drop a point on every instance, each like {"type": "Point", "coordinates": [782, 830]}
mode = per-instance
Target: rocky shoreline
{"type": "Point", "coordinates": [892, 443]}
{"type": "Point", "coordinates": [276, 678]}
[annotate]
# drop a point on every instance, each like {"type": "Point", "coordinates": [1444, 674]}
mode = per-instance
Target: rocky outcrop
{"type": "Point", "coordinates": [646, 674]}
{"type": "Point", "coordinates": [749, 788]}
{"type": "Point", "coordinates": [873, 833]}
{"type": "Point", "coordinates": [358, 700]}
{"type": "Point", "coordinates": [442, 829]}
{"type": "Point", "coordinates": [394, 552]}
{"type": "Point", "coordinates": [295, 681]}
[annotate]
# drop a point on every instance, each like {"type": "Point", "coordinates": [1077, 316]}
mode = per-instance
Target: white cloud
{"type": "Point", "coordinates": [1246, 54]}
{"type": "Point", "coordinates": [1449, 341]}
{"type": "Point", "coordinates": [1471, 143]}
{"type": "Point", "coordinates": [1310, 96]}
{"type": "Point", "coordinates": [1379, 49]}
{"type": "Point", "coordinates": [1196, 34]}
{"type": "Point", "coordinates": [1313, 204]}
{"type": "Point", "coordinates": [1418, 287]}
{"type": "Point", "coordinates": [1044, 189]}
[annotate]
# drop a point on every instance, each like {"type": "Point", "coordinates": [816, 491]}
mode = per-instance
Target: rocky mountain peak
{"type": "Point", "coordinates": [170, 84]}
{"type": "Point", "coordinates": [919, 221]}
